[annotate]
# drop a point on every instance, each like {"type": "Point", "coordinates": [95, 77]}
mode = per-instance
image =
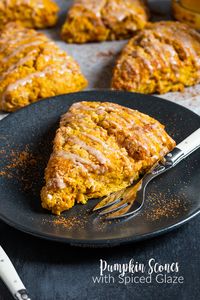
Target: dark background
{"type": "Point", "coordinates": [52, 270]}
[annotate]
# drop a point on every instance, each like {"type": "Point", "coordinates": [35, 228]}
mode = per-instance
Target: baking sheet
{"type": "Point", "coordinates": [97, 59]}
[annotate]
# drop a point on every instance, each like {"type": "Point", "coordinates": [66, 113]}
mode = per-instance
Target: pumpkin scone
{"type": "Point", "coordinates": [163, 57]}
{"type": "Point", "coordinates": [32, 67]}
{"type": "Point", "coordinates": [100, 148]}
{"type": "Point", "coordinates": [31, 13]}
{"type": "Point", "coordinates": [91, 20]}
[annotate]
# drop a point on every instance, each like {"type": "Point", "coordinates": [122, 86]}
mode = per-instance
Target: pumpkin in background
{"type": "Point", "coordinates": [187, 11]}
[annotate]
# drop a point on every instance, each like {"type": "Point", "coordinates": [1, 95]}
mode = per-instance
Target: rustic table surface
{"type": "Point", "coordinates": [56, 271]}
{"type": "Point", "coordinates": [53, 271]}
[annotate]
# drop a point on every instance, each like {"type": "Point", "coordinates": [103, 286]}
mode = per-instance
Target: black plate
{"type": "Point", "coordinates": [26, 143]}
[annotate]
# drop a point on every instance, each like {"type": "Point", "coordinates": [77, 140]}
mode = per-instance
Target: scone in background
{"type": "Point", "coordinates": [97, 59]}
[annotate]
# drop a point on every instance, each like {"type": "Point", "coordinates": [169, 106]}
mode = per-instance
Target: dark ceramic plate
{"type": "Point", "coordinates": [26, 143]}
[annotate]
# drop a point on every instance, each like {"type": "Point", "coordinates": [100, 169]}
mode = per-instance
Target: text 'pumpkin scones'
{"type": "Point", "coordinates": [91, 20]}
{"type": "Point", "coordinates": [32, 67]}
{"type": "Point", "coordinates": [98, 149]}
{"type": "Point", "coordinates": [31, 13]}
{"type": "Point", "coordinates": [165, 56]}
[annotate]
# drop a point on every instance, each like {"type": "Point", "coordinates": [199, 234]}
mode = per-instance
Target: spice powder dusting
{"type": "Point", "coordinates": [19, 166]}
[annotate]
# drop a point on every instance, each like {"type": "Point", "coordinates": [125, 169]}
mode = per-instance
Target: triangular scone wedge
{"type": "Point", "coordinates": [92, 20]}
{"type": "Point", "coordinates": [33, 67]}
{"type": "Point", "coordinates": [162, 57]}
{"type": "Point", "coordinates": [100, 148]}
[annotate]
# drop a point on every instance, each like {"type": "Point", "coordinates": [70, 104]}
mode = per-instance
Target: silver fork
{"type": "Point", "coordinates": [129, 201]}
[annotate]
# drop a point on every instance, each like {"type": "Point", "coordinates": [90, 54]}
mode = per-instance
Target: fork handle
{"type": "Point", "coordinates": [180, 152]}
{"type": "Point", "coordinates": [190, 144]}
{"type": "Point", "coordinates": [10, 277]}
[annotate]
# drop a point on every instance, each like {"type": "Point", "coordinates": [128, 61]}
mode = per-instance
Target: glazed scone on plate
{"type": "Point", "coordinates": [32, 67]}
{"type": "Point", "coordinates": [31, 13]}
{"type": "Point", "coordinates": [100, 148]}
{"type": "Point", "coordinates": [91, 20]}
{"type": "Point", "coordinates": [163, 57]}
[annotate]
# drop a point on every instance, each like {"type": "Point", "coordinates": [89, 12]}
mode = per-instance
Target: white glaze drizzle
{"type": "Point", "coordinates": [173, 55]}
{"type": "Point", "coordinates": [119, 10]}
{"type": "Point", "coordinates": [84, 169]}
{"type": "Point", "coordinates": [21, 48]}
{"type": "Point", "coordinates": [184, 39]}
{"type": "Point", "coordinates": [92, 5]}
{"type": "Point", "coordinates": [22, 61]}
{"type": "Point", "coordinates": [148, 64]}
{"type": "Point", "coordinates": [145, 134]}
{"type": "Point", "coordinates": [59, 181]}
{"type": "Point", "coordinates": [76, 159]}
{"type": "Point", "coordinates": [38, 3]}
{"type": "Point", "coordinates": [96, 153]}
{"type": "Point", "coordinates": [125, 121]}
{"type": "Point", "coordinates": [94, 138]}
{"type": "Point", "coordinates": [117, 125]}
{"type": "Point", "coordinates": [24, 81]}
{"type": "Point", "coordinates": [20, 36]}
{"type": "Point", "coordinates": [28, 79]}
{"type": "Point", "coordinates": [81, 105]}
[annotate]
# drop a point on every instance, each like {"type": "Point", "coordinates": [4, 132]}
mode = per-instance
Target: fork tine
{"type": "Point", "coordinates": [133, 208]}
{"type": "Point", "coordinates": [115, 197]}
{"type": "Point", "coordinates": [128, 198]}
{"type": "Point", "coordinates": [109, 200]}
{"type": "Point", "coordinates": [124, 212]}
{"type": "Point", "coordinates": [116, 214]}
{"type": "Point", "coordinates": [116, 206]}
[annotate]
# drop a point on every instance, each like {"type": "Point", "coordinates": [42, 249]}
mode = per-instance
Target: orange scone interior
{"type": "Point", "coordinates": [32, 67]}
{"type": "Point", "coordinates": [99, 148]}
{"type": "Point", "coordinates": [31, 13]}
{"type": "Point", "coordinates": [163, 57]}
{"type": "Point", "coordinates": [90, 20]}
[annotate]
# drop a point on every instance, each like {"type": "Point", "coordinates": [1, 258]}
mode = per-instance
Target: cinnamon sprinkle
{"type": "Point", "coordinates": [106, 53]}
{"type": "Point", "coordinates": [19, 166]}
{"type": "Point", "coordinates": [159, 206]}
{"type": "Point", "coordinates": [78, 221]}
{"type": "Point", "coordinates": [72, 221]}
